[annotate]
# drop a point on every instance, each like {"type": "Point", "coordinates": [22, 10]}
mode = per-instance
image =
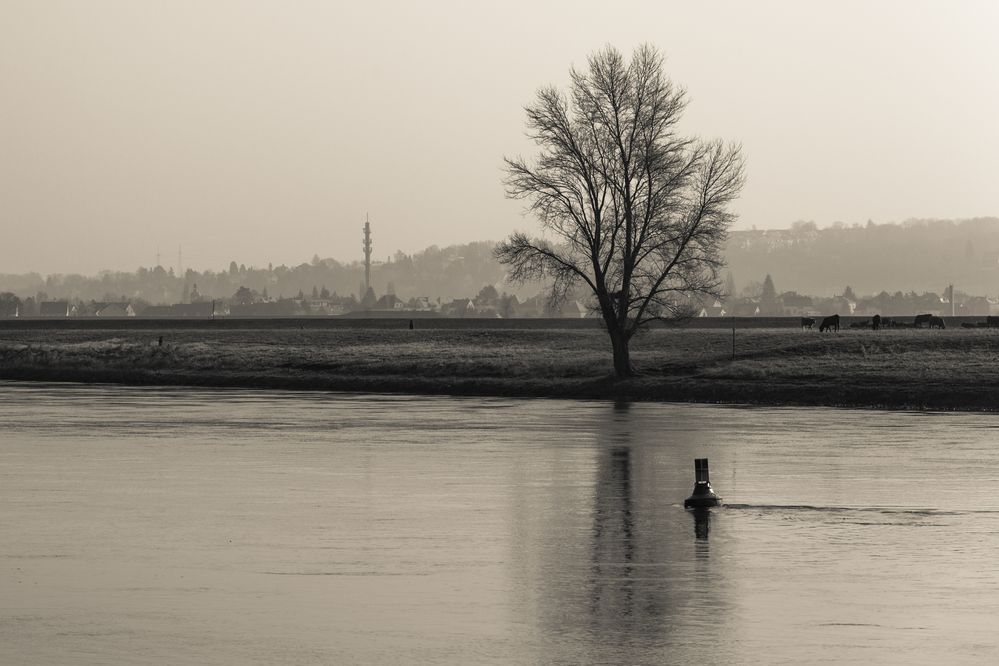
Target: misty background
{"type": "Point", "coordinates": [263, 132]}
{"type": "Point", "coordinates": [905, 268]}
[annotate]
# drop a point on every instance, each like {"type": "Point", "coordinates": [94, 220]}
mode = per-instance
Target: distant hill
{"type": "Point", "coordinates": [447, 273]}
{"type": "Point", "coordinates": [917, 255]}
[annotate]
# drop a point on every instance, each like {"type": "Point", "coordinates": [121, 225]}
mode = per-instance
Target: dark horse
{"type": "Point", "coordinates": [876, 322]}
{"type": "Point", "coordinates": [921, 320]}
{"type": "Point", "coordinates": [937, 322]}
{"type": "Point", "coordinates": [807, 322]}
{"type": "Point", "coordinates": [830, 323]}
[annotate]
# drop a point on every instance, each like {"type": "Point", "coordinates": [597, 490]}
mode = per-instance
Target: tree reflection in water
{"type": "Point", "coordinates": [624, 581]}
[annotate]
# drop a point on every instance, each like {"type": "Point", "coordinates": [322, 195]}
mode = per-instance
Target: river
{"type": "Point", "coordinates": [150, 526]}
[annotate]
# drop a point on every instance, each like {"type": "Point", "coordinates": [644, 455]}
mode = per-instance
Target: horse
{"type": "Point", "coordinates": [922, 319]}
{"type": "Point", "coordinates": [991, 322]}
{"type": "Point", "coordinates": [937, 322]}
{"type": "Point", "coordinates": [830, 323]}
{"type": "Point", "coordinates": [807, 322]}
{"type": "Point", "coordinates": [876, 322]}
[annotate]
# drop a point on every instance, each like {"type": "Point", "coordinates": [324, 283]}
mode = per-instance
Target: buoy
{"type": "Point", "coordinates": [703, 495]}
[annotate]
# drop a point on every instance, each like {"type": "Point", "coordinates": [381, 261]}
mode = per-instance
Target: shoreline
{"type": "Point", "coordinates": [905, 370]}
{"type": "Point", "coordinates": [640, 389]}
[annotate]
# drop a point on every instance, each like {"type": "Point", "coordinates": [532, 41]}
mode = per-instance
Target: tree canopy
{"type": "Point", "coordinates": [634, 210]}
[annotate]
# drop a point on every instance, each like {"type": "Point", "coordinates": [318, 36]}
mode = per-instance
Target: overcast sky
{"type": "Point", "coordinates": [263, 131]}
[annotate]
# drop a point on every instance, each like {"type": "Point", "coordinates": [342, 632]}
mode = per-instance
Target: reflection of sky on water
{"type": "Point", "coordinates": [276, 527]}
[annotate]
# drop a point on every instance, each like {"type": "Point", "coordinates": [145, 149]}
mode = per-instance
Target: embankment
{"type": "Point", "coordinates": [902, 369]}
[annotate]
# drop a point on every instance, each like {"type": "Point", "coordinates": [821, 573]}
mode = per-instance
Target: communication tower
{"type": "Point", "coordinates": [367, 255]}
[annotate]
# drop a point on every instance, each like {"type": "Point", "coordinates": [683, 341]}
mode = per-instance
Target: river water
{"type": "Point", "coordinates": [151, 526]}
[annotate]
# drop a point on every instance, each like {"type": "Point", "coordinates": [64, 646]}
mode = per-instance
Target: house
{"type": "Point", "coordinates": [114, 310]}
{"type": "Point", "coordinates": [534, 306]}
{"type": "Point", "coordinates": [794, 304]}
{"type": "Point", "coordinates": [572, 310]}
{"type": "Point", "coordinates": [388, 302]}
{"type": "Point", "coordinates": [488, 312]}
{"type": "Point", "coordinates": [192, 310]}
{"type": "Point", "coordinates": [713, 310]}
{"type": "Point", "coordinates": [55, 309]}
{"type": "Point", "coordinates": [744, 307]}
{"type": "Point", "coordinates": [459, 307]}
{"type": "Point", "coordinates": [282, 308]}
{"type": "Point", "coordinates": [335, 305]}
{"type": "Point", "coordinates": [420, 303]}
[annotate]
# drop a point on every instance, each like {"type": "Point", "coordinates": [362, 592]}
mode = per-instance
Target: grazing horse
{"type": "Point", "coordinates": [876, 322]}
{"type": "Point", "coordinates": [830, 323]}
{"type": "Point", "coordinates": [807, 322]}
{"type": "Point", "coordinates": [921, 320]}
{"type": "Point", "coordinates": [937, 322]}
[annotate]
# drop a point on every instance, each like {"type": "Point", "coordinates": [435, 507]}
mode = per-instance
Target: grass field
{"type": "Point", "coordinates": [921, 369]}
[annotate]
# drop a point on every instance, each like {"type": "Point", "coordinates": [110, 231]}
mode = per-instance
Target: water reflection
{"type": "Point", "coordinates": [612, 583]}
{"type": "Point", "coordinates": [702, 523]}
{"type": "Point", "coordinates": [625, 575]}
{"type": "Point", "coordinates": [486, 531]}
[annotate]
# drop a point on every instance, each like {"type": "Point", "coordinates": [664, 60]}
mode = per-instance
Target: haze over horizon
{"type": "Point", "coordinates": [260, 132]}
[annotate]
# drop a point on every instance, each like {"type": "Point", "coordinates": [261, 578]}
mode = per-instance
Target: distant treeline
{"type": "Point", "coordinates": [913, 257]}
{"type": "Point", "coordinates": [457, 271]}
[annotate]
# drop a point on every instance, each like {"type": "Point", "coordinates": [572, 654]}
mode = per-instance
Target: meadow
{"type": "Point", "coordinates": [910, 369]}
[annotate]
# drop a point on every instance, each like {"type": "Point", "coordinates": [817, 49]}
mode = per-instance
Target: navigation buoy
{"type": "Point", "coordinates": [703, 495]}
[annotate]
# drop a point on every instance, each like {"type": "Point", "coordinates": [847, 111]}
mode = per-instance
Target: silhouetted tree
{"type": "Point", "coordinates": [638, 211]}
{"type": "Point", "coordinates": [487, 295]}
{"type": "Point", "coordinates": [730, 290]}
{"type": "Point", "coordinates": [244, 296]}
{"type": "Point", "coordinates": [508, 305]}
{"type": "Point", "coordinates": [769, 293]}
{"type": "Point", "coordinates": [10, 305]}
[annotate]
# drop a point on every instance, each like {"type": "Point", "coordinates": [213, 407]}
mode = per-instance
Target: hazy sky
{"type": "Point", "coordinates": [264, 131]}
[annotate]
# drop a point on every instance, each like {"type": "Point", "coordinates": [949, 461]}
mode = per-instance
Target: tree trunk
{"type": "Point", "coordinates": [622, 357]}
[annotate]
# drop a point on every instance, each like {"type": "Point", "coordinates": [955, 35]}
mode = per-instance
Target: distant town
{"type": "Point", "coordinates": [940, 267]}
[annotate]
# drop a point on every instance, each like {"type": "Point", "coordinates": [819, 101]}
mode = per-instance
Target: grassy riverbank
{"type": "Point", "coordinates": [952, 369]}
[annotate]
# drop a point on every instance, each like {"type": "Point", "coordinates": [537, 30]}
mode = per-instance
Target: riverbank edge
{"type": "Point", "coordinates": [771, 392]}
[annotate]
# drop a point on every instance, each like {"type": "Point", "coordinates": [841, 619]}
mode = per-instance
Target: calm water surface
{"type": "Point", "coordinates": [151, 526]}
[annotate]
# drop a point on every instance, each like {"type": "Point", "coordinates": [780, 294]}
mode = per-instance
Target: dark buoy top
{"type": "Point", "coordinates": [703, 495]}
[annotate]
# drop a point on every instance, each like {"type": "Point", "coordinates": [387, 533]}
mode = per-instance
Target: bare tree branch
{"type": "Point", "coordinates": [640, 212]}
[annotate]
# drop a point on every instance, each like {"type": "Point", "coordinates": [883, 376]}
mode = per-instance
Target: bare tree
{"type": "Point", "coordinates": [636, 211]}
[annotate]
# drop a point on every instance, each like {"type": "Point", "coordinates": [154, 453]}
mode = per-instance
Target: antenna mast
{"type": "Point", "coordinates": [367, 255]}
